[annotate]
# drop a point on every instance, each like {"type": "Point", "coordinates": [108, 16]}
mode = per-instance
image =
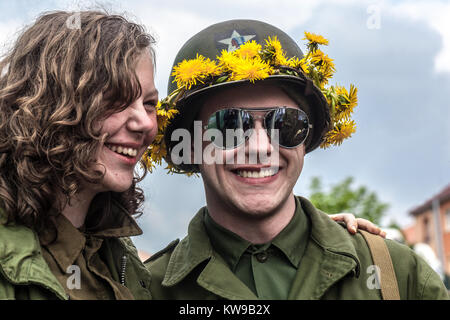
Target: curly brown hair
{"type": "Point", "coordinates": [55, 84]}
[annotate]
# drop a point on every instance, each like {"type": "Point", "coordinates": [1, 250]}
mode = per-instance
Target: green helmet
{"type": "Point", "coordinates": [230, 35]}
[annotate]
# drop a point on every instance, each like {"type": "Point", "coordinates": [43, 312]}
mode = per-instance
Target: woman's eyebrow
{"type": "Point", "coordinates": [151, 95]}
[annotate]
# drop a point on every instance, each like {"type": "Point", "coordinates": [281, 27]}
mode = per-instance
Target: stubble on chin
{"type": "Point", "coordinates": [255, 209]}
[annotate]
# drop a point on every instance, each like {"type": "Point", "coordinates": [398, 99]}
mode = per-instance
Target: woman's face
{"type": "Point", "coordinates": [129, 133]}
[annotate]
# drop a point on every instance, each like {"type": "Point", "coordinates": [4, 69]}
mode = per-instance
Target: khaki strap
{"type": "Point", "coordinates": [382, 259]}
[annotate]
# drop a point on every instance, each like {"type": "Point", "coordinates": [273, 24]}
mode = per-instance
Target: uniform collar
{"type": "Point", "coordinates": [228, 244]}
{"type": "Point", "coordinates": [190, 252]}
{"type": "Point", "coordinates": [291, 241]}
{"type": "Point", "coordinates": [66, 243]}
{"type": "Point", "coordinates": [118, 223]}
{"type": "Point", "coordinates": [330, 256]}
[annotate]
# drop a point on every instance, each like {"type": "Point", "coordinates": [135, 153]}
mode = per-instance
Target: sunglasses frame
{"type": "Point", "coordinates": [266, 110]}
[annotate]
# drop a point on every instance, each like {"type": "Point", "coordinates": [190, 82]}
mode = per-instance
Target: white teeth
{"type": "Point", "coordinates": [126, 151]}
{"type": "Point", "coordinates": [266, 172]}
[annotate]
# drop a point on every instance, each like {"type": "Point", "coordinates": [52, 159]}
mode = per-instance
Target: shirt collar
{"type": "Point", "coordinates": [228, 244]}
{"type": "Point", "coordinates": [118, 223]}
{"type": "Point", "coordinates": [291, 241]}
{"type": "Point", "coordinates": [65, 243]}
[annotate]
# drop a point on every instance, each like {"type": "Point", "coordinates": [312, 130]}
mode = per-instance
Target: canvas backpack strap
{"type": "Point", "coordinates": [382, 259]}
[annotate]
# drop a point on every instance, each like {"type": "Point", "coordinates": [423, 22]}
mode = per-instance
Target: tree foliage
{"type": "Point", "coordinates": [341, 197]}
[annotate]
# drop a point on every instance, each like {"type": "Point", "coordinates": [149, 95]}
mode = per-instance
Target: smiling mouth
{"type": "Point", "coordinates": [257, 174]}
{"type": "Point", "coordinates": [128, 152]}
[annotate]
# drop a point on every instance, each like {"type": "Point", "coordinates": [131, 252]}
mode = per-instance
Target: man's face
{"type": "Point", "coordinates": [234, 187]}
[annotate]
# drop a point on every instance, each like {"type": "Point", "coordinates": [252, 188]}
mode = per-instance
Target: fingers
{"type": "Point", "coordinates": [353, 224]}
{"type": "Point", "coordinates": [370, 227]}
{"type": "Point", "coordinates": [349, 219]}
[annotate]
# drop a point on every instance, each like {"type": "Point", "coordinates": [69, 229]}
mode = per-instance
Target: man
{"type": "Point", "coordinates": [258, 110]}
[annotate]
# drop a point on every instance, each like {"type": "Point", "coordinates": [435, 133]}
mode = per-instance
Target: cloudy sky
{"type": "Point", "coordinates": [396, 52]}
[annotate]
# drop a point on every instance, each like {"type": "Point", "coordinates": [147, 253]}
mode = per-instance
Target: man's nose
{"type": "Point", "coordinates": [259, 144]}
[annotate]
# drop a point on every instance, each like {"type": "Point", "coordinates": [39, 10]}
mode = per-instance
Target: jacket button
{"type": "Point", "coordinates": [262, 256]}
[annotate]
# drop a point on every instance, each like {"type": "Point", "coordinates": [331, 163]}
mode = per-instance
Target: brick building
{"type": "Point", "coordinates": [425, 229]}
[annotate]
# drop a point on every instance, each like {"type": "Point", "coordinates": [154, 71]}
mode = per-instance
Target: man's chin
{"type": "Point", "coordinates": [257, 208]}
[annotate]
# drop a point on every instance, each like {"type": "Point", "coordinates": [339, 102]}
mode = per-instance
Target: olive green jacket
{"type": "Point", "coordinates": [24, 274]}
{"type": "Point", "coordinates": [335, 265]}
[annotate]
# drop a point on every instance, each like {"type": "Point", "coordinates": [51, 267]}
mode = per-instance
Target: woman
{"type": "Point", "coordinates": [77, 111]}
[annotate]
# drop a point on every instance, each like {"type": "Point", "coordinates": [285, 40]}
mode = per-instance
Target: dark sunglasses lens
{"type": "Point", "coordinates": [291, 125]}
{"type": "Point", "coordinates": [232, 125]}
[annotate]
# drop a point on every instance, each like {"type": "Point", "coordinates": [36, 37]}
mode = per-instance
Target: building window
{"type": "Point", "coordinates": [447, 220]}
{"type": "Point", "coordinates": [426, 230]}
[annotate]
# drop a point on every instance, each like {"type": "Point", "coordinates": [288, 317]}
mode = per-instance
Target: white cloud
{"type": "Point", "coordinates": [8, 33]}
{"type": "Point", "coordinates": [434, 13]}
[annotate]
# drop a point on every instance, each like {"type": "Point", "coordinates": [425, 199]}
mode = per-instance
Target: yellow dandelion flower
{"type": "Point", "coordinates": [274, 52]}
{"type": "Point", "coordinates": [280, 59]}
{"type": "Point", "coordinates": [346, 102]}
{"type": "Point", "coordinates": [156, 153]}
{"type": "Point", "coordinates": [168, 114]}
{"type": "Point", "coordinates": [305, 65]}
{"type": "Point", "coordinates": [162, 123]}
{"type": "Point", "coordinates": [322, 61]}
{"type": "Point", "coordinates": [162, 118]}
{"type": "Point", "coordinates": [227, 60]}
{"type": "Point", "coordinates": [340, 132]}
{"type": "Point", "coordinates": [273, 44]}
{"type": "Point", "coordinates": [158, 138]}
{"type": "Point", "coordinates": [250, 69]}
{"type": "Point", "coordinates": [353, 96]}
{"type": "Point", "coordinates": [341, 103]}
{"type": "Point", "coordinates": [297, 63]}
{"type": "Point", "coordinates": [248, 50]}
{"type": "Point", "coordinates": [321, 67]}
{"type": "Point", "coordinates": [325, 144]}
{"type": "Point", "coordinates": [341, 91]}
{"type": "Point", "coordinates": [188, 72]}
{"type": "Point", "coordinates": [149, 160]}
{"type": "Point", "coordinates": [210, 68]}
{"type": "Point", "coordinates": [315, 38]}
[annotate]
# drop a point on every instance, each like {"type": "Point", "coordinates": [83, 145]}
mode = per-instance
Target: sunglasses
{"type": "Point", "coordinates": [289, 127]}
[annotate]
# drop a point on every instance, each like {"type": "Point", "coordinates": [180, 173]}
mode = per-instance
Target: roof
{"type": "Point", "coordinates": [442, 196]}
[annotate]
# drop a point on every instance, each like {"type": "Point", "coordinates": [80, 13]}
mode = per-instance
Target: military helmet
{"type": "Point", "coordinates": [230, 35]}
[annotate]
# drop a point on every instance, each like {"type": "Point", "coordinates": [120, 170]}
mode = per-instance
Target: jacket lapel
{"type": "Point", "coordinates": [216, 277]}
{"type": "Point", "coordinates": [329, 256]}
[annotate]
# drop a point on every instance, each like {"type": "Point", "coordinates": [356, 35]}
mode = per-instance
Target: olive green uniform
{"type": "Point", "coordinates": [44, 266]}
{"type": "Point", "coordinates": [267, 269]}
{"type": "Point", "coordinates": [334, 265]}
